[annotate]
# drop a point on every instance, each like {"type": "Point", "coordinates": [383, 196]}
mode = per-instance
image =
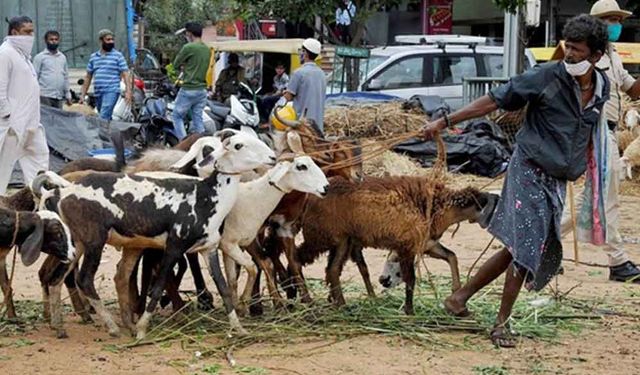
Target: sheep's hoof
{"type": "Point", "coordinates": [306, 299]}
{"type": "Point", "coordinates": [408, 310]}
{"type": "Point", "coordinates": [140, 335]}
{"type": "Point", "coordinates": [86, 318]}
{"type": "Point", "coordinates": [205, 301]}
{"type": "Point", "coordinates": [61, 334]}
{"type": "Point", "coordinates": [114, 332]}
{"type": "Point", "coordinates": [256, 309]}
{"type": "Point", "coordinates": [242, 309]}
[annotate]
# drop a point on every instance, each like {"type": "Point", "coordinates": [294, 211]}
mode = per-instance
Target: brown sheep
{"type": "Point", "coordinates": [405, 214]}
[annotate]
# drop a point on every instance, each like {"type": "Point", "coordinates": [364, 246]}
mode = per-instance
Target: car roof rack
{"type": "Point", "coordinates": [445, 39]}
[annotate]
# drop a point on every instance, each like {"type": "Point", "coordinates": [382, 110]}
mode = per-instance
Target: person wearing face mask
{"type": "Point", "coordinates": [106, 68]}
{"type": "Point", "coordinates": [52, 71]}
{"type": "Point", "coordinates": [308, 87]}
{"type": "Point", "coordinates": [621, 268]}
{"type": "Point", "coordinates": [193, 60]}
{"type": "Point", "coordinates": [562, 137]}
{"type": "Point", "coordinates": [22, 137]}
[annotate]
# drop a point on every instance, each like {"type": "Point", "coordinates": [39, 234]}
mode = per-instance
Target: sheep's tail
{"type": "Point", "coordinates": [440, 166]}
{"type": "Point", "coordinates": [47, 180]}
{"type": "Point", "coordinates": [118, 146]}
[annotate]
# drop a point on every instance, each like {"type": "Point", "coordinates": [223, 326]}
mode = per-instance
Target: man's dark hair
{"type": "Point", "coordinates": [194, 28]}
{"type": "Point", "coordinates": [280, 64]}
{"type": "Point", "coordinates": [312, 55]}
{"type": "Point", "coordinates": [15, 23]}
{"type": "Point", "coordinates": [49, 33]}
{"type": "Point", "coordinates": [585, 28]}
{"type": "Point", "coordinates": [233, 58]}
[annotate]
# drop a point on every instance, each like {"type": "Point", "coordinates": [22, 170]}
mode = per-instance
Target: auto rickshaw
{"type": "Point", "coordinates": [259, 58]}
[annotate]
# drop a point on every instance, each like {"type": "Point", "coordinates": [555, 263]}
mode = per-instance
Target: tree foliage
{"type": "Point", "coordinates": [305, 11]}
{"type": "Point", "coordinates": [165, 17]}
{"type": "Point", "coordinates": [510, 6]}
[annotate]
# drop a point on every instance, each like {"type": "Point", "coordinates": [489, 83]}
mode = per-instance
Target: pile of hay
{"type": "Point", "coordinates": [372, 120]}
{"type": "Point", "coordinates": [393, 164]}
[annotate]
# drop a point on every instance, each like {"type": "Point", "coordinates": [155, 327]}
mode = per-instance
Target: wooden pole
{"type": "Point", "coordinates": [572, 206]}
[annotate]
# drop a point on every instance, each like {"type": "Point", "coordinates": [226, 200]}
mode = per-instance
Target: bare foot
{"type": "Point", "coordinates": [455, 308]}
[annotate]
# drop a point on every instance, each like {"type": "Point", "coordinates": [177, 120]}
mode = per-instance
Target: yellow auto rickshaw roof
{"type": "Point", "coordinates": [288, 46]}
{"type": "Point", "coordinates": [629, 52]}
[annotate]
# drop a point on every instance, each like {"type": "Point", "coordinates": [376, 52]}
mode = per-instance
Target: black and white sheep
{"type": "Point", "coordinates": [156, 210]}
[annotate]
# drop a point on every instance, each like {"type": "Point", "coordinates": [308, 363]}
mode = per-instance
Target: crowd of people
{"type": "Point", "coordinates": [27, 83]}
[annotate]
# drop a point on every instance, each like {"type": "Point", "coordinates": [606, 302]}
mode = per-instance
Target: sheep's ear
{"type": "Point", "coordinates": [279, 171]}
{"type": "Point", "coordinates": [225, 134]}
{"type": "Point", "coordinates": [295, 142]}
{"type": "Point", "coordinates": [30, 248]}
{"type": "Point", "coordinates": [190, 156]}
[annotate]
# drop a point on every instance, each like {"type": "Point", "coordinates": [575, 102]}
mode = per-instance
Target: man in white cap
{"type": "Point", "coordinates": [22, 137]}
{"type": "Point", "coordinates": [621, 268]}
{"type": "Point", "coordinates": [307, 87]}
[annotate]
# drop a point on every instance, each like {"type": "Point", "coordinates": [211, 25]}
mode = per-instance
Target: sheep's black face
{"type": "Point", "coordinates": [57, 241]}
{"type": "Point", "coordinates": [488, 207]}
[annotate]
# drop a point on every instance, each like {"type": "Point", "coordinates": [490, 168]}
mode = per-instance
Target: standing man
{"type": "Point", "coordinates": [344, 14]}
{"type": "Point", "coordinates": [22, 137]}
{"type": "Point", "coordinates": [307, 87]}
{"type": "Point", "coordinates": [193, 60]}
{"type": "Point", "coordinates": [106, 68]}
{"type": "Point", "coordinates": [52, 71]}
{"type": "Point", "coordinates": [557, 142]}
{"type": "Point", "coordinates": [621, 268]}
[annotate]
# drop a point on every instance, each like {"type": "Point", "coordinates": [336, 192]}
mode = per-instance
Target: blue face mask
{"type": "Point", "coordinates": [614, 32]}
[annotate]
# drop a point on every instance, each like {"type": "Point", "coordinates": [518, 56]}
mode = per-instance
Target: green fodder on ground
{"type": "Point", "coordinates": [536, 316]}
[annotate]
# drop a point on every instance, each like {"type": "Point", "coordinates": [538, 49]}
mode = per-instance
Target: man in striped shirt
{"type": "Point", "coordinates": [106, 67]}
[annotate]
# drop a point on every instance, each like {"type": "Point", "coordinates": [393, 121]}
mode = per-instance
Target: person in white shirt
{"type": "Point", "coordinates": [344, 15]}
{"type": "Point", "coordinates": [22, 137]}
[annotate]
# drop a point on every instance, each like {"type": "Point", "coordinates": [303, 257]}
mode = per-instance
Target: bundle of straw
{"type": "Point", "coordinates": [372, 120]}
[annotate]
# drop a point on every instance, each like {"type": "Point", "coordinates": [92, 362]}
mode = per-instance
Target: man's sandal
{"type": "Point", "coordinates": [459, 313]}
{"type": "Point", "coordinates": [501, 338]}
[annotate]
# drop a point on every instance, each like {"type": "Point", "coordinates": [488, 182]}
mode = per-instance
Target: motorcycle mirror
{"type": "Point", "coordinates": [81, 81]}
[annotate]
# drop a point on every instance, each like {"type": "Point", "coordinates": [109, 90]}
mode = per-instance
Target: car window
{"type": "Point", "coordinates": [449, 70]}
{"type": "Point", "coordinates": [493, 65]}
{"type": "Point", "coordinates": [403, 73]}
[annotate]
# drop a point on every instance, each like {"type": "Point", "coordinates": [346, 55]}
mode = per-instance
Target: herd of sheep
{"type": "Point", "coordinates": [227, 192]}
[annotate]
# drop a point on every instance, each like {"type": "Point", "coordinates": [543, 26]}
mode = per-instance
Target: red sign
{"type": "Point", "coordinates": [437, 16]}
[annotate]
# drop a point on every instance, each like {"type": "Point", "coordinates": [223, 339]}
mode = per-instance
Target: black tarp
{"type": "Point", "coordinates": [480, 149]}
{"type": "Point", "coordinates": [71, 136]}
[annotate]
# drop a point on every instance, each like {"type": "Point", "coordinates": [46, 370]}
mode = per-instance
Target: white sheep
{"type": "Point", "coordinates": [631, 157]}
{"type": "Point", "coordinates": [256, 201]}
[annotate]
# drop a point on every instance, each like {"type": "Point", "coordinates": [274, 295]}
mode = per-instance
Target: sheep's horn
{"type": "Point", "coordinates": [292, 124]}
{"type": "Point", "coordinates": [47, 180]}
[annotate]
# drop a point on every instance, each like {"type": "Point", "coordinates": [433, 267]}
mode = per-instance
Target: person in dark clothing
{"type": "Point", "coordinates": [565, 106]}
{"type": "Point", "coordinates": [228, 81]}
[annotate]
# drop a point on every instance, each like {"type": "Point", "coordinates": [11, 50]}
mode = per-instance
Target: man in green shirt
{"type": "Point", "coordinates": [193, 62]}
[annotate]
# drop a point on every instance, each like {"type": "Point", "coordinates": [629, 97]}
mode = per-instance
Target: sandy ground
{"type": "Point", "coordinates": [612, 348]}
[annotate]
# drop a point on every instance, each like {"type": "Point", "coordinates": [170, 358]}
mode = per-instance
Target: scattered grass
{"type": "Point", "coordinates": [250, 370]}
{"type": "Point", "coordinates": [320, 322]}
{"type": "Point", "coordinates": [212, 369]}
{"type": "Point", "coordinates": [490, 370]}
{"type": "Point", "coordinates": [21, 343]}
{"type": "Point", "coordinates": [29, 317]}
